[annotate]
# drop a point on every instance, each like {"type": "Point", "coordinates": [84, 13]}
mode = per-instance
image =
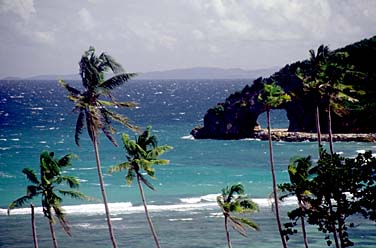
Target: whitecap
{"type": "Point", "coordinates": [181, 219]}
{"type": "Point", "coordinates": [360, 151]}
{"type": "Point", "coordinates": [15, 139]}
{"type": "Point", "coordinates": [188, 137]}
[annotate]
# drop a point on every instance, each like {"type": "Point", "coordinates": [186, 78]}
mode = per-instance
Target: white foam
{"type": "Point", "coordinates": [360, 151]}
{"type": "Point", "coordinates": [207, 202]}
{"type": "Point", "coordinates": [188, 137]}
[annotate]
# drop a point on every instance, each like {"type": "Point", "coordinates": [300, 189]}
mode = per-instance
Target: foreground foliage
{"type": "Point", "coordinates": [336, 188]}
{"type": "Point", "coordinates": [47, 187]}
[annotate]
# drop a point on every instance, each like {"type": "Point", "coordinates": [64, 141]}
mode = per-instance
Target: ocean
{"type": "Point", "coordinates": [36, 116]}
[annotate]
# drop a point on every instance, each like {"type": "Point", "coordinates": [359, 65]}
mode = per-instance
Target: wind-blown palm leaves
{"type": "Point", "coordinates": [142, 154]}
{"type": "Point", "coordinates": [324, 82]}
{"type": "Point", "coordinates": [50, 177]}
{"type": "Point", "coordinates": [311, 84]}
{"type": "Point", "coordinates": [234, 200]}
{"type": "Point", "coordinates": [94, 112]}
{"type": "Point", "coordinates": [273, 96]}
{"type": "Point", "coordinates": [299, 186]}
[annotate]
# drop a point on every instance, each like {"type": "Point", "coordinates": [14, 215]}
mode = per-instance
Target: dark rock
{"type": "Point", "coordinates": [236, 118]}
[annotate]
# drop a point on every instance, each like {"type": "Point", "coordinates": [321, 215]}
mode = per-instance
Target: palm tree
{"type": "Point", "coordinates": [94, 111]}
{"type": "Point", "coordinates": [273, 96]}
{"type": "Point", "coordinates": [50, 177]}
{"type": "Point", "coordinates": [142, 154]}
{"type": "Point", "coordinates": [334, 92]}
{"type": "Point", "coordinates": [311, 84]}
{"type": "Point", "coordinates": [234, 200]}
{"type": "Point", "coordinates": [299, 171]}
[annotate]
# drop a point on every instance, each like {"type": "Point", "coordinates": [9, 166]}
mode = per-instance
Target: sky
{"type": "Point", "coordinates": [40, 37]}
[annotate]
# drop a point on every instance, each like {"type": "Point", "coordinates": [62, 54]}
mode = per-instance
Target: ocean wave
{"type": "Point", "coordinates": [207, 202]}
{"type": "Point", "coordinates": [188, 137]}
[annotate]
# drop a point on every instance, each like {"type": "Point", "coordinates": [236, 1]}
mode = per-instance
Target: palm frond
{"type": "Point", "coordinates": [108, 62]}
{"type": "Point", "coordinates": [18, 202]}
{"type": "Point", "coordinates": [61, 217]}
{"type": "Point", "coordinates": [71, 90]}
{"type": "Point", "coordinates": [157, 151]}
{"type": "Point", "coordinates": [247, 222]}
{"type": "Point", "coordinates": [145, 181]}
{"type": "Point", "coordinates": [119, 167]}
{"type": "Point", "coordinates": [237, 226]}
{"type": "Point", "coordinates": [122, 120]}
{"type": "Point", "coordinates": [66, 160]}
{"type": "Point", "coordinates": [71, 181]}
{"type": "Point", "coordinates": [116, 81]}
{"type": "Point", "coordinates": [75, 194]}
{"type": "Point", "coordinates": [80, 124]}
{"type": "Point", "coordinates": [32, 190]}
{"type": "Point", "coordinates": [30, 175]}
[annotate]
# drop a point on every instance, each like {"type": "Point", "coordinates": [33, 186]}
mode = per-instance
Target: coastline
{"type": "Point", "coordinates": [284, 135]}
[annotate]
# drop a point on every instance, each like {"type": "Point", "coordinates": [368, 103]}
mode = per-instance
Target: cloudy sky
{"type": "Point", "coordinates": [49, 36]}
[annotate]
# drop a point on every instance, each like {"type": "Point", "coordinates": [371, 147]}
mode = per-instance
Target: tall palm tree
{"type": "Point", "coordinates": [50, 177]}
{"type": "Point", "coordinates": [273, 96]}
{"type": "Point", "coordinates": [234, 200]}
{"type": "Point", "coordinates": [142, 154]}
{"type": "Point", "coordinates": [94, 111]}
{"type": "Point", "coordinates": [299, 171]}
{"type": "Point", "coordinates": [334, 92]}
{"type": "Point", "coordinates": [311, 84]}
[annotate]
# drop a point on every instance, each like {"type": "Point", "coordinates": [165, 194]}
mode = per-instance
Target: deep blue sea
{"type": "Point", "coordinates": [37, 116]}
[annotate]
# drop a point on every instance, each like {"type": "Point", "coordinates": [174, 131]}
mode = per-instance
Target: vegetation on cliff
{"type": "Point", "coordinates": [238, 114]}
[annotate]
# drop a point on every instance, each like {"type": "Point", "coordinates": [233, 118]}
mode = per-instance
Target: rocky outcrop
{"type": "Point", "coordinates": [284, 135]}
{"type": "Point", "coordinates": [236, 117]}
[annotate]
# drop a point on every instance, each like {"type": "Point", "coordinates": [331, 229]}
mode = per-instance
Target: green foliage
{"type": "Point", "coordinates": [142, 154]}
{"type": "Point", "coordinates": [273, 96]}
{"type": "Point", "coordinates": [50, 177]}
{"type": "Point", "coordinates": [234, 200]}
{"type": "Point", "coordinates": [334, 189]}
{"type": "Point", "coordinates": [94, 113]}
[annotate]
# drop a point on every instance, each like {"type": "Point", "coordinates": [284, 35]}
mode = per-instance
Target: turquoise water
{"type": "Point", "coordinates": [36, 116]}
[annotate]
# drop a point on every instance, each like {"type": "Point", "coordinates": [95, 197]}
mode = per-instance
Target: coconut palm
{"type": "Point", "coordinates": [311, 84]}
{"type": "Point", "coordinates": [46, 187]}
{"type": "Point", "coordinates": [299, 186]}
{"type": "Point", "coordinates": [94, 112]}
{"type": "Point", "coordinates": [234, 200]}
{"type": "Point", "coordinates": [273, 96]}
{"type": "Point", "coordinates": [142, 154]}
{"type": "Point", "coordinates": [334, 92]}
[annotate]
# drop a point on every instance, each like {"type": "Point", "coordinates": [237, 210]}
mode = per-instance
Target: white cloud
{"type": "Point", "coordinates": [23, 8]}
{"type": "Point", "coordinates": [86, 19]}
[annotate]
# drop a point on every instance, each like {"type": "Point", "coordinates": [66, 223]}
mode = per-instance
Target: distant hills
{"type": "Point", "coordinates": [189, 73]}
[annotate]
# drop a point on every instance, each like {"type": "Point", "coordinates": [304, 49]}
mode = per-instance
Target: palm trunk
{"type": "Point", "coordinates": [305, 239]}
{"type": "Point", "coordinates": [33, 226]}
{"type": "Point", "coordinates": [52, 233]}
{"type": "Point", "coordinates": [147, 212]}
{"type": "Point", "coordinates": [318, 128]}
{"type": "Point", "coordinates": [274, 182]}
{"type": "Point", "coordinates": [330, 131]}
{"type": "Point", "coordinates": [104, 195]}
{"type": "Point", "coordinates": [227, 232]}
{"type": "Point", "coordinates": [331, 212]}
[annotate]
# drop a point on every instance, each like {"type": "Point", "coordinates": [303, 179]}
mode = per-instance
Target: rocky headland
{"type": "Point", "coordinates": [236, 117]}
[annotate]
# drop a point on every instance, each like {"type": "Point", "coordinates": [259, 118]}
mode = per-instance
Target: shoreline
{"type": "Point", "coordinates": [284, 135]}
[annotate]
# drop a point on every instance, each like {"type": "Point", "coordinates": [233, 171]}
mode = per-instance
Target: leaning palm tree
{"type": "Point", "coordinates": [234, 200]}
{"type": "Point", "coordinates": [273, 96]}
{"type": "Point", "coordinates": [299, 186]}
{"type": "Point", "coordinates": [94, 111]}
{"type": "Point", "coordinates": [50, 177]}
{"type": "Point", "coordinates": [142, 154]}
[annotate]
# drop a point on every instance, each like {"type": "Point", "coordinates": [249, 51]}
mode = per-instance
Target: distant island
{"type": "Point", "coordinates": [236, 117]}
{"type": "Point", "coordinates": [179, 74]}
